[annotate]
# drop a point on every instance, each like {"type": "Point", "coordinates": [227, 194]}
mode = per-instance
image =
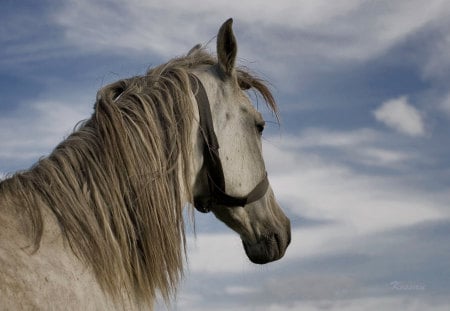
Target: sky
{"type": "Point", "coordinates": [360, 162]}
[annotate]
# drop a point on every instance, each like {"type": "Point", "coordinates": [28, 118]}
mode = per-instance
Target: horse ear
{"type": "Point", "coordinates": [226, 47]}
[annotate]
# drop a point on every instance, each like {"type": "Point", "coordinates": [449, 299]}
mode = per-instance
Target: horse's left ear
{"type": "Point", "coordinates": [226, 47]}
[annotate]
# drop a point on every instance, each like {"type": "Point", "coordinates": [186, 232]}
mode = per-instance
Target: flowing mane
{"type": "Point", "coordinates": [116, 184]}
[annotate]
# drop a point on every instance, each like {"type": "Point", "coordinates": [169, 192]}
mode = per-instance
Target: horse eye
{"type": "Point", "coordinates": [260, 126]}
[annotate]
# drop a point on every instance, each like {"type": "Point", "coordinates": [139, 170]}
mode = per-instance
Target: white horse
{"type": "Point", "coordinates": [97, 225]}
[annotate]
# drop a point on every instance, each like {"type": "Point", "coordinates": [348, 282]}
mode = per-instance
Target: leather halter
{"type": "Point", "coordinates": [216, 180]}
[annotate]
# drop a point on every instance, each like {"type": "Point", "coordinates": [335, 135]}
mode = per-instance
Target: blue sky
{"type": "Point", "coordinates": [360, 162]}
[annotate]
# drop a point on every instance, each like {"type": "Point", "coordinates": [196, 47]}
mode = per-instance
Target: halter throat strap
{"type": "Point", "coordinates": [216, 179]}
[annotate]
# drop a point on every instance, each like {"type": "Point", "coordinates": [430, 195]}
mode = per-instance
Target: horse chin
{"type": "Point", "coordinates": [267, 249]}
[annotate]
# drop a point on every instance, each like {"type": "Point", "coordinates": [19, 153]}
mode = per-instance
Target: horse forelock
{"type": "Point", "coordinates": [116, 184]}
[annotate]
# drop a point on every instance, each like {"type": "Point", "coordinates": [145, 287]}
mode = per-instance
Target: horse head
{"type": "Point", "coordinates": [231, 181]}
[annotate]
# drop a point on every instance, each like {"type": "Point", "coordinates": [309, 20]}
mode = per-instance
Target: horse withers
{"type": "Point", "coordinates": [98, 223]}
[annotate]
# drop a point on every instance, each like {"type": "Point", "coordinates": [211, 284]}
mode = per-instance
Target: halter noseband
{"type": "Point", "coordinates": [216, 180]}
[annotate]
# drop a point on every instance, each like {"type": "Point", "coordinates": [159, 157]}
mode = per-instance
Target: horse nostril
{"type": "Point", "coordinates": [278, 241]}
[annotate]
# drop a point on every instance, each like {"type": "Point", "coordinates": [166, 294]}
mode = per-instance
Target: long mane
{"type": "Point", "coordinates": [116, 184]}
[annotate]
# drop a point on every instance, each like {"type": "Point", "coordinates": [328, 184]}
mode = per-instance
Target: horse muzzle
{"type": "Point", "coordinates": [269, 247]}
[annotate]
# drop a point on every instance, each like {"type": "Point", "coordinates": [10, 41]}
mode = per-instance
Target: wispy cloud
{"type": "Point", "coordinates": [315, 187]}
{"type": "Point", "coordinates": [226, 247]}
{"type": "Point", "coordinates": [322, 137]}
{"type": "Point", "coordinates": [351, 203]}
{"type": "Point", "coordinates": [363, 146]}
{"type": "Point", "coordinates": [444, 105]}
{"type": "Point", "coordinates": [315, 35]}
{"type": "Point", "coordinates": [133, 26]}
{"type": "Point", "coordinates": [369, 304]}
{"type": "Point", "coordinates": [348, 189]}
{"type": "Point", "coordinates": [36, 128]}
{"type": "Point", "coordinates": [374, 224]}
{"type": "Point", "coordinates": [437, 62]}
{"type": "Point", "coordinates": [400, 115]}
{"type": "Point", "coordinates": [109, 26]}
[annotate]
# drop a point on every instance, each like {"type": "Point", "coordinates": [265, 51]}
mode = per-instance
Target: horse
{"type": "Point", "coordinates": [98, 223]}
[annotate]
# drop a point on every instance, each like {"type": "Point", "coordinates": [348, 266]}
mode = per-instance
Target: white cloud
{"type": "Point", "coordinates": [351, 203]}
{"type": "Point", "coordinates": [359, 146]}
{"type": "Point", "coordinates": [376, 156]}
{"type": "Point", "coordinates": [315, 188]}
{"type": "Point", "coordinates": [368, 303]}
{"type": "Point", "coordinates": [286, 37]}
{"type": "Point", "coordinates": [208, 253]}
{"type": "Point", "coordinates": [239, 290]}
{"type": "Point", "coordinates": [312, 34]}
{"type": "Point", "coordinates": [140, 26]}
{"type": "Point", "coordinates": [36, 128]}
{"type": "Point", "coordinates": [437, 62]}
{"type": "Point", "coordinates": [357, 206]}
{"type": "Point", "coordinates": [332, 138]}
{"type": "Point", "coordinates": [401, 116]}
{"type": "Point", "coordinates": [445, 105]}
{"type": "Point", "coordinates": [164, 26]}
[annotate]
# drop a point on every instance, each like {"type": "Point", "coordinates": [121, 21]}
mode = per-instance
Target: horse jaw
{"type": "Point", "coordinates": [264, 229]}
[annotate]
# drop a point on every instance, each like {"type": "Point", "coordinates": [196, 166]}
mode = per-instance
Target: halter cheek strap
{"type": "Point", "coordinates": [216, 180]}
